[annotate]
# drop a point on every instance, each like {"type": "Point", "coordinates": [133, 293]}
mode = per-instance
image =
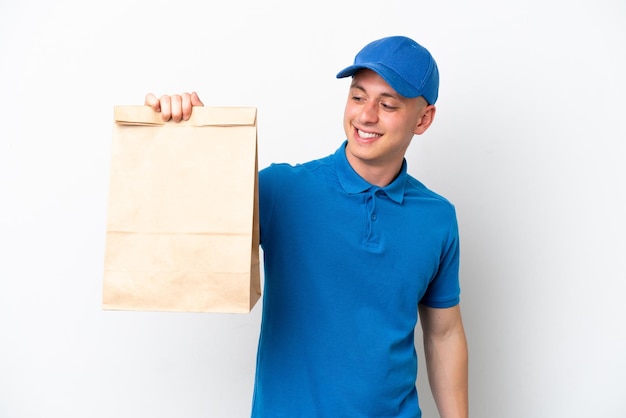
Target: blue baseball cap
{"type": "Point", "coordinates": [404, 64]}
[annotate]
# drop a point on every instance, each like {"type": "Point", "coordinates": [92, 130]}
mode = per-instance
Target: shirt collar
{"type": "Point", "coordinates": [353, 183]}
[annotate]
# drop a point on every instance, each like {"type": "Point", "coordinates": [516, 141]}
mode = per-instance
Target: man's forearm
{"type": "Point", "coordinates": [447, 365]}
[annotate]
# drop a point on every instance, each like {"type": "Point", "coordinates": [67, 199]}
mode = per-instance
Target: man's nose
{"type": "Point", "coordinates": [369, 113]}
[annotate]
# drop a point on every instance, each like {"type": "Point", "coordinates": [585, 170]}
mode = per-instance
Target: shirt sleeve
{"type": "Point", "coordinates": [444, 289]}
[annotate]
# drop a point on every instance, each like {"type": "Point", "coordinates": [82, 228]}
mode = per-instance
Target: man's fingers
{"type": "Point", "coordinates": [176, 107]}
{"type": "Point", "coordinates": [166, 108]}
{"type": "Point", "coordinates": [188, 101]}
{"type": "Point", "coordinates": [186, 105]}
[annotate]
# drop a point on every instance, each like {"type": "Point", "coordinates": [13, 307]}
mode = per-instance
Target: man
{"type": "Point", "coordinates": [354, 247]}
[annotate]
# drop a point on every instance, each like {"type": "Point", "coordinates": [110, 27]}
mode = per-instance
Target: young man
{"type": "Point", "coordinates": [354, 247]}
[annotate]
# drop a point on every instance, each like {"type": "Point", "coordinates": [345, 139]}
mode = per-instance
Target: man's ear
{"type": "Point", "coordinates": [427, 118]}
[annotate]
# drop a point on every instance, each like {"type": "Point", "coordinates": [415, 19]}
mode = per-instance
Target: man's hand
{"type": "Point", "coordinates": [176, 107]}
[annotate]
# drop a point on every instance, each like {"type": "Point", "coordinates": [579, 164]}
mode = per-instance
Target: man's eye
{"type": "Point", "coordinates": [387, 106]}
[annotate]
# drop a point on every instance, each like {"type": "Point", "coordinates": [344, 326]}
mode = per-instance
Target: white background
{"type": "Point", "coordinates": [529, 143]}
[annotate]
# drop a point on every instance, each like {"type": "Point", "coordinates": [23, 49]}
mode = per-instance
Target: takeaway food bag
{"type": "Point", "coordinates": [182, 219]}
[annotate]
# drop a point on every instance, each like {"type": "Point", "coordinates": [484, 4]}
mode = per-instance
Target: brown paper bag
{"type": "Point", "coordinates": [182, 221]}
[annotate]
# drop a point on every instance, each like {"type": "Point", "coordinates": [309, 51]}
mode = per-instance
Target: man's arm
{"type": "Point", "coordinates": [445, 348]}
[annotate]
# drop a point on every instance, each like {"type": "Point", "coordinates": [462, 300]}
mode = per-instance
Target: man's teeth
{"type": "Point", "coordinates": [368, 135]}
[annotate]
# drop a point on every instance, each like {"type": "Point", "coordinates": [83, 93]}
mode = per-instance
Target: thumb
{"type": "Point", "coordinates": [152, 101]}
{"type": "Point", "coordinates": [195, 100]}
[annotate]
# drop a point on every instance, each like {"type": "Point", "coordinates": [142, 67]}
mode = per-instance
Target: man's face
{"type": "Point", "coordinates": [379, 123]}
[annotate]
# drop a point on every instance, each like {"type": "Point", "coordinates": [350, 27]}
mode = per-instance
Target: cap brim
{"type": "Point", "coordinates": [349, 71]}
{"type": "Point", "coordinates": [394, 80]}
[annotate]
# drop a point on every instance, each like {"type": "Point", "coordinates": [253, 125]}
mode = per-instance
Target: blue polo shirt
{"type": "Point", "coordinates": [346, 265]}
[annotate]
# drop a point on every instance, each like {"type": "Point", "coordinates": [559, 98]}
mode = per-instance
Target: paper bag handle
{"type": "Point", "coordinates": [200, 116]}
